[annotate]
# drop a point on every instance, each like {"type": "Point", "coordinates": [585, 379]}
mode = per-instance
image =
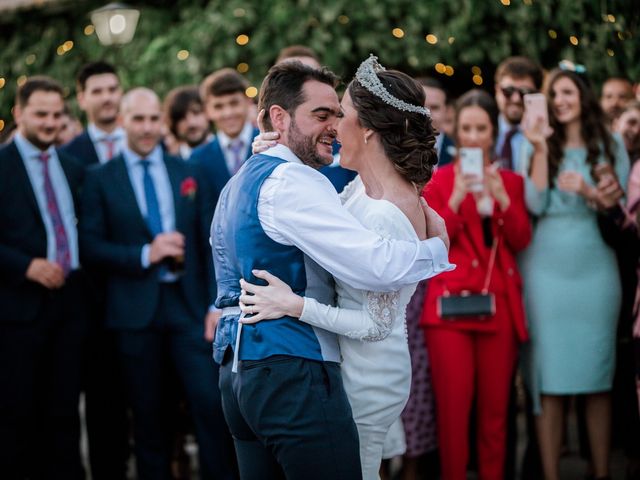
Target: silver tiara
{"type": "Point", "coordinates": [367, 76]}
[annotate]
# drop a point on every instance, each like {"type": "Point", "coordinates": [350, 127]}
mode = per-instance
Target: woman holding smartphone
{"type": "Point", "coordinates": [475, 356]}
{"type": "Point", "coordinates": [572, 285]}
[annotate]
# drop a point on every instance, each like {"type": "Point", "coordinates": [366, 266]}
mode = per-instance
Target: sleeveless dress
{"type": "Point", "coordinates": [376, 366]}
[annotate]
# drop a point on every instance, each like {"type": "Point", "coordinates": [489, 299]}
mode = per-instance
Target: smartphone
{"type": "Point", "coordinates": [471, 163]}
{"type": "Point", "coordinates": [535, 106]}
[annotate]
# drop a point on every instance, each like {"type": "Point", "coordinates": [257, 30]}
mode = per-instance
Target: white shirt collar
{"type": "Point", "coordinates": [283, 152]}
{"type": "Point", "coordinates": [131, 158]}
{"type": "Point", "coordinates": [29, 150]}
{"type": "Point", "coordinates": [245, 135]}
{"type": "Point", "coordinates": [98, 135]}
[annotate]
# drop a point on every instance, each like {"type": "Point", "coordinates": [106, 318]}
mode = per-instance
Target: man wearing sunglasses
{"type": "Point", "coordinates": [515, 77]}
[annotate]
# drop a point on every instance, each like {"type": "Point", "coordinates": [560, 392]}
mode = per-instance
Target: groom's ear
{"type": "Point", "coordinates": [280, 118]}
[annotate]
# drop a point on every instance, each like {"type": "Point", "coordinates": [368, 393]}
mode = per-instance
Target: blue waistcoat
{"type": "Point", "coordinates": [240, 245]}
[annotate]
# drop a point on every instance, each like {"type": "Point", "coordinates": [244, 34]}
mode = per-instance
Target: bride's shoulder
{"type": "Point", "coordinates": [386, 219]}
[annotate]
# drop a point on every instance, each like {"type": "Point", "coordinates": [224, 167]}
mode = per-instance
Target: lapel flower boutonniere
{"type": "Point", "coordinates": [188, 188]}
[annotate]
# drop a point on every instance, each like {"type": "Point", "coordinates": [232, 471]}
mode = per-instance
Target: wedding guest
{"type": "Point", "coordinates": [43, 321]}
{"type": "Point", "coordinates": [227, 107]}
{"type": "Point", "coordinates": [627, 124]}
{"type": "Point", "coordinates": [98, 95]}
{"type": "Point", "coordinates": [70, 128]}
{"type": "Point", "coordinates": [572, 347]}
{"type": "Point", "coordinates": [437, 105]}
{"type": "Point", "coordinates": [515, 77]}
{"type": "Point", "coordinates": [474, 356]}
{"type": "Point", "coordinates": [144, 222]}
{"type": "Point", "coordinates": [186, 120]}
{"type": "Point", "coordinates": [300, 53]}
{"type": "Point", "coordinates": [616, 93]}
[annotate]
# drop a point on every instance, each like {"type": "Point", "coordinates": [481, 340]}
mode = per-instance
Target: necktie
{"type": "Point", "coordinates": [154, 220]}
{"type": "Point", "coordinates": [236, 149]}
{"type": "Point", "coordinates": [110, 143]}
{"type": "Point", "coordinates": [63, 254]}
{"type": "Point", "coordinates": [506, 154]}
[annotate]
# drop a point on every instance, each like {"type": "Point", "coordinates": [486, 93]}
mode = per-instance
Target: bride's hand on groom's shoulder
{"type": "Point", "coordinates": [435, 224]}
{"type": "Point", "coordinates": [265, 140]}
{"type": "Point", "coordinates": [275, 300]}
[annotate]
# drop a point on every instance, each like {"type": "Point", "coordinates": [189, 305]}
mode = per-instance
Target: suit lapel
{"type": "Point", "coordinates": [23, 177]}
{"type": "Point", "coordinates": [124, 190]}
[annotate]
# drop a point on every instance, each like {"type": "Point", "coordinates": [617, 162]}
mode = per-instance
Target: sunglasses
{"type": "Point", "coordinates": [508, 91]}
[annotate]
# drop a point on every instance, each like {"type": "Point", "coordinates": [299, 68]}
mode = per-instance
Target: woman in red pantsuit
{"type": "Point", "coordinates": [476, 356]}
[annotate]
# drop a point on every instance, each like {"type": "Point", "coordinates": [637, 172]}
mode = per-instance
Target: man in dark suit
{"type": "Point", "coordinates": [227, 107]}
{"type": "Point", "coordinates": [437, 104]}
{"type": "Point", "coordinates": [99, 94]}
{"type": "Point", "coordinates": [42, 315]}
{"type": "Point", "coordinates": [144, 223]}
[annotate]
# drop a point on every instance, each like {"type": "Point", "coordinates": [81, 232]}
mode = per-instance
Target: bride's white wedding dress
{"type": "Point", "coordinates": [376, 368]}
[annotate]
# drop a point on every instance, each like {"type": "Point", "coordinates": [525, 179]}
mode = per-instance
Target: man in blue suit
{"type": "Point", "coordinates": [99, 94]}
{"type": "Point", "coordinates": [42, 290]}
{"type": "Point", "coordinates": [144, 222]}
{"type": "Point", "coordinates": [227, 107]}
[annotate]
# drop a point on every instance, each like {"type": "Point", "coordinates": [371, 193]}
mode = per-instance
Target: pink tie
{"type": "Point", "coordinates": [110, 147]}
{"type": "Point", "coordinates": [236, 148]}
{"type": "Point", "coordinates": [63, 255]}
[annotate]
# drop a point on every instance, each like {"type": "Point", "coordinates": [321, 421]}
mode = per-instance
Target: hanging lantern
{"type": "Point", "coordinates": [115, 23]}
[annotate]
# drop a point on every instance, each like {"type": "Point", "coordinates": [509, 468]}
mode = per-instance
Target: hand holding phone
{"type": "Point", "coordinates": [535, 110]}
{"type": "Point", "coordinates": [471, 163]}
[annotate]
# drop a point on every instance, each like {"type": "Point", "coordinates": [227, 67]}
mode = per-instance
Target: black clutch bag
{"type": "Point", "coordinates": [472, 306]}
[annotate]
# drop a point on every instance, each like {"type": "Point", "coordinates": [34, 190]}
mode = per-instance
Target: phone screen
{"type": "Point", "coordinates": [471, 162]}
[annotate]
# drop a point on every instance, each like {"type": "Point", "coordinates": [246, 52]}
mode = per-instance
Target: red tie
{"type": "Point", "coordinates": [63, 255]}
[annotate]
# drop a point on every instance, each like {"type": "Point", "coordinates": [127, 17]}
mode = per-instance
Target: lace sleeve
{"type": "Point", "coordinates": [372, 323]}
{"type": "Point", "coordinates": [382, 308]}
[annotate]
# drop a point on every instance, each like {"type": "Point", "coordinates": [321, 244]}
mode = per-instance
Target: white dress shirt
{"type": "Point", "coordinates": [98, 138]}
{"type": "Point", "coordinates": [298, 206]}
{"type": "Point", "coordinates": [246, 135]}
{"type": "Point", "coordinates": [30, 157]}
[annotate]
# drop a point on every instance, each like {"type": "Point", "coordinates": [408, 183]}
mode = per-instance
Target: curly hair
{"type": "Point", "coordinates": [593, 129]}
{"type": "Point", "coordinates": [408, 138]}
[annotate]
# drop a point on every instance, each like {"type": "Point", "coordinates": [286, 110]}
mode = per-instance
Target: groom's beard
{"type": "Point", "coordinates": [304, 147]}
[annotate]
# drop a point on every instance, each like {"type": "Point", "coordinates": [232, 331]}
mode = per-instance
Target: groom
{"type": "Point", "coordinates": [280, 381]}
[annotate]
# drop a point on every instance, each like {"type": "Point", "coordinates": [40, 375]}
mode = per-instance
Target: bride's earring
{"type": "Point", "coordinates": [365, 140]}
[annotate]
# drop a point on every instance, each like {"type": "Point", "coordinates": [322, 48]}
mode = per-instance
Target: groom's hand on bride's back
{"type": "Point", "coordinates": [435, 224]}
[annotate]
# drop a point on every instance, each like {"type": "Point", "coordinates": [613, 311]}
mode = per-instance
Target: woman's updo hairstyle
{"type": "Point", "coordinates": [408, 138]}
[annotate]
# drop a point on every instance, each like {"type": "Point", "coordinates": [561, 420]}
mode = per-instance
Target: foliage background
{"type": "Point", "coordinates": [470, 33]}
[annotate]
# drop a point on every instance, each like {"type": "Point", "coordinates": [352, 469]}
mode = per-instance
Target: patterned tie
{"type": "Point", "coordinates": [154, 220]}
{"type": "Point", "coordinates": [236, 147]}
{"type": "Point", "coordinates": [63, 254]}
{"type": "Point", "coordinates": [506, 154]}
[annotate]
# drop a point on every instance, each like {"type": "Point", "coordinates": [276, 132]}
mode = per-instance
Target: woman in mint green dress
{"type": "Point", "coordinates": [571, 282]}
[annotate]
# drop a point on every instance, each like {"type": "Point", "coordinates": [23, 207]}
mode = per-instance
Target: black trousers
{"type": "Point", "coordinates": [40, 377]}
{"type": "Point", "coordinates": [290, 418]}
{"type": "Point", "coordinates": [174, 343]}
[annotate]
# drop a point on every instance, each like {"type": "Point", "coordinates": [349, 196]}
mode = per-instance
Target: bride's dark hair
{"type": "Point", "coordinates": [408, 138]}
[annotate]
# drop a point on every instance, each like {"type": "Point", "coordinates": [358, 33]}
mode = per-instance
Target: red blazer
{"type": "Point", "coordinates": [471, 256]}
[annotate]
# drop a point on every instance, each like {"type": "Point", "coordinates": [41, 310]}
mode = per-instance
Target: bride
{"type": "Point", "coordinates": [387, 137]}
